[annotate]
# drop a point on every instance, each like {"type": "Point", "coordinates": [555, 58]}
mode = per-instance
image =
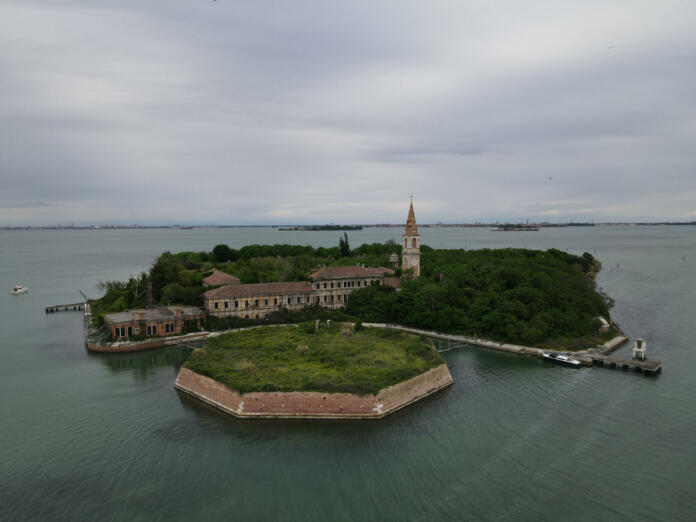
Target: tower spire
{"type": "Point", "coordinates": [411, 251]}
{"type": "Point", "coordinates": [411, 226]}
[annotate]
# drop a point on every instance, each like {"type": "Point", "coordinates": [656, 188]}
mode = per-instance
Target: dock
{"type": "Point", "coordinates": [593, 357]}
{"type": "Point", "coordinates": [72, 307]}
{"type": "Point", "coordinates": [626, 363]}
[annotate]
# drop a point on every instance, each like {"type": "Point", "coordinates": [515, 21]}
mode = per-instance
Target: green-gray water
{"type": "Point", "coordinates": [88, 437]}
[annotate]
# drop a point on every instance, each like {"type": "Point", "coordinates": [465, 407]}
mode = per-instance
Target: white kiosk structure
{"type": "Point", "coordinates": [640, 349]}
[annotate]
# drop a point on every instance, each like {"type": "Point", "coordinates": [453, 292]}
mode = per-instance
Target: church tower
{"type": "Point", "coordinates": [410, 258]}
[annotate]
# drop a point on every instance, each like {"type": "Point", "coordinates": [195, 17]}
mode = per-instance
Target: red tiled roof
{"type": "Point", "coordinates": [338, 272]}
{"type": "Point", "coordinates": [218, 278]}
{"type": "Point", "coordinates": [394, 282]}
{"type": "Point", "coordinates": [295, 287]}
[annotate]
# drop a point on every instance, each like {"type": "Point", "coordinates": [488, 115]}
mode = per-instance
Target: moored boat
{"type": "Point", "coordinates": [19, 289]}
{"type": "Point", "coordinates": [562, 359]}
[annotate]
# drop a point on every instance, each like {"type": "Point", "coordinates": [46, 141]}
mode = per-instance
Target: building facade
{"type": "Point", "coordinates": [163, 320]}
{"type": "Point", "coordinates": [329, 286]}
{"type": "Point", "coordinates": [410, 256]}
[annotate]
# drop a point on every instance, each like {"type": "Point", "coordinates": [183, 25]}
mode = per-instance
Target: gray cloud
{"type": "Point", "coordinates": [234, 112]}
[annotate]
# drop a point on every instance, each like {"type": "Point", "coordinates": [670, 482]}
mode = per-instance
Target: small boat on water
{"type": "Point", "coordinates": [19, 289]}
{"type": "Point", "coordinates": [562, 359]}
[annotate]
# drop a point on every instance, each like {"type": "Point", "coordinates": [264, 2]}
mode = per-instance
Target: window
{"type": "Point", "coordinates": [166, 328]}
{"type": "Point", "coordinates": [332, 285]}
{"type": "Point", "coordinates": [256, 302]}
{"type": "Point", "coordinates": [339, 297]}
{"type": "Point", "coordinates": [331, 298]}
{"type": "Point", "coordinates": [318, 286]}
{"type": "Point", "coordinates": [324, 285]}
{"type": "Point", "coordinates": [405, 242]}
{"type": "Point", "coordinates": [216, 305]}
{"type": "Point", "coordinates": [236, 304]}
{"type": "Point", "coordinates": [123, 331]}
{"type": "Point", "coordinates": [275, 300]}
{"type": "Point", "coordinates": [358, 283]}
{"type": "Point", "coordinates": [308, 299]}
{"type": "Point", "coordinates": [413, 244]}
{"type": "Point", "coordinates": [289, 300]}
{"type": "Point", "coordinates": [246, 316]}
{"type": "Point", "coordinates": [227, 304]}
{"type": "Point", "coordinates": [130, 331]}
{"type": "Point", "coordinates": [246, 304]}
{"type": "Point", "coordinates": [317, 299]}
{"type": "Point", "coordinates": [326, 298]}
{"type": "Point", "coordinates": [265, 302]}
{"type": "Point", "coordinates": [299, 300]}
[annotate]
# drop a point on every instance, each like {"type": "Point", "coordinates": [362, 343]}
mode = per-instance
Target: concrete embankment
{"type": "Point", "coordinates": [612, 345]}
{"type": "Point", "coordinates": [312, 404]}
{"type": "Point", "coordinates": [136, 346]}
{"type": "Point", "coordinates": [504, 347]}
{"type": "Point", "coordinates": [159, 342]}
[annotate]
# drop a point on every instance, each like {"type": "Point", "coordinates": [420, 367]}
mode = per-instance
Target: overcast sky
{"type": "Point", "coordinates": [259, 112]}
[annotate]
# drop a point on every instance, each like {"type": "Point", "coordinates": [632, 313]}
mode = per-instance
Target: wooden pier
{"type": "Point", "coordinates": [626, 363]}
{"type": "Point", "coordinates": [72, 307]}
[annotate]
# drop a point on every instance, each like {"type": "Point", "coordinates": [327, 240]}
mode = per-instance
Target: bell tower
{"type": "Point", "coordinates": [410, 257]}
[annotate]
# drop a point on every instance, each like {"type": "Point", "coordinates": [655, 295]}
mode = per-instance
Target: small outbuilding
{"type": "Point", "coordinates": [163, 320]}
{"type": "Point", "coordinates": [219, 278]}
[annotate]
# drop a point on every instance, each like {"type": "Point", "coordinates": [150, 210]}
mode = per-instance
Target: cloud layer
{"type": "Point", "coordinates": [194, 111]}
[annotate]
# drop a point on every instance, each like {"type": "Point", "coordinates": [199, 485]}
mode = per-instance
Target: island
{"type": "Point", "coordinates": [302, 331]}
{"type": "Point", "coordinates": [317, 228]}
{"type": "Point", "coordinates": [313, 370]}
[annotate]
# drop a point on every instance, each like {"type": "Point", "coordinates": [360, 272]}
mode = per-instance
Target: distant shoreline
{"type": "Point", "coordinates": [352, 227]}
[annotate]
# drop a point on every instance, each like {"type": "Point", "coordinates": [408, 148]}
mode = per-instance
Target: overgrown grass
{"type": "Point", "coordinates": [335, 359]}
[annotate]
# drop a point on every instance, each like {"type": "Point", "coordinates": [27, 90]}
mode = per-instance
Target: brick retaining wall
{"type": "Point", "coordinates": [313, 404]}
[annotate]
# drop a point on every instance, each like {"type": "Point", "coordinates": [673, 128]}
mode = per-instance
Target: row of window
{"type": "Point", "coordinates": [265, 302]}
{"type": "Point", "coordinates": [308, 299]}
{"type": "Point", "coordinates": [347, 284]}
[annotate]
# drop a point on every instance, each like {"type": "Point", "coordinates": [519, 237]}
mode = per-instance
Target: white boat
{"type": "Point", "coordinates": [562, 359]}
{"type": "Point", "coordinates": [19, 289]}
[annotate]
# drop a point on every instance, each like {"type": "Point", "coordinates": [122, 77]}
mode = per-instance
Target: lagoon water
{"type": "Point", "coordinates": [92, 437]}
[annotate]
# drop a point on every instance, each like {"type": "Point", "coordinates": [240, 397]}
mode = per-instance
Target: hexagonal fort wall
{"type": "Point", "coordinates": [313, 404]}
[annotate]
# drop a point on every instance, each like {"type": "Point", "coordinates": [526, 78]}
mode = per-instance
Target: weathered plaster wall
{"type": "Point", "coordinates": [312, 404]}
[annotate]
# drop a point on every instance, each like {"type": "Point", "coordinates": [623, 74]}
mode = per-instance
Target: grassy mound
{"type": "Point", "coordinates": [335, 359]}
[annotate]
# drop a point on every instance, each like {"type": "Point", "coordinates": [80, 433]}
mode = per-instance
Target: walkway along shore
{"type": "Point", "coordinates": [589, 357]}
{"type": "Point", "coordinates": [593, 356]}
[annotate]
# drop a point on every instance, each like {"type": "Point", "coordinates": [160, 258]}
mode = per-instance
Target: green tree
{"type": "Point", "coordinates": [343, 246]}
{"type": "Point", "coordinates": [222, 253]}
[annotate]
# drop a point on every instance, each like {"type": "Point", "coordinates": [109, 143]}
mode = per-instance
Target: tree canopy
{"type": "Point", "coordinates": [515, 295]}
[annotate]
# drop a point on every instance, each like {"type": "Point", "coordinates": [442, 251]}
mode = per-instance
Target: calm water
{"type": "Point", "coordinates": [87, 437]}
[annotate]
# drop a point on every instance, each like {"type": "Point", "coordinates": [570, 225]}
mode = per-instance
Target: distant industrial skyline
{"type": "Point", "coordinates": [232, 113]}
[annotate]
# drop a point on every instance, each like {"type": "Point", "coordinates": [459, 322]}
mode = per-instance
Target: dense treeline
{"type": "Point", "coordinates": [178, 278]}
{"type": "Point", "coordinates": [515, 295]}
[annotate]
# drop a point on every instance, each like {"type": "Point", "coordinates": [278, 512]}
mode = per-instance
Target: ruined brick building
{"type": "Point", "coordinates": [327, 286]}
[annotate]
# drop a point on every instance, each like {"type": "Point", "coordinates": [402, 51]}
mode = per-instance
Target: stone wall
{"type": "Point", "coordinates": [312, 404]}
